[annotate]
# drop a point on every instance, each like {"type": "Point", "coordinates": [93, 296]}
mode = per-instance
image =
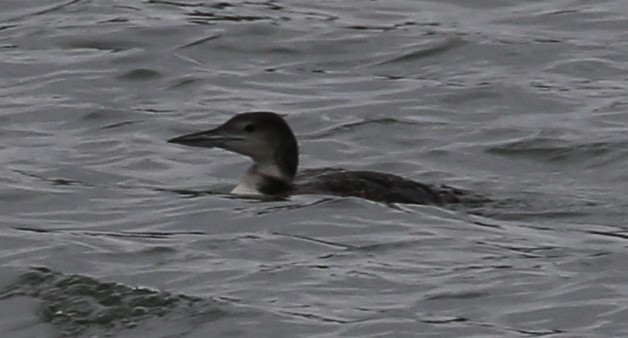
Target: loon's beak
{"type": "Point", "coordinates": [215, 138]}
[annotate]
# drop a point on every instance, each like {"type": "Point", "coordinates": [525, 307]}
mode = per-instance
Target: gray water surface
{"type": "Point", "coordinates": [107, 230]}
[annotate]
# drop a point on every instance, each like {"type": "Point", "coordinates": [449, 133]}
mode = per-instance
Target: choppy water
{"type": "Point", "coordinates": [102, 234]}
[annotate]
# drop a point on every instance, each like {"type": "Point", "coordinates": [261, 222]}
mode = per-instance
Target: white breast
{"type": "Point", "coordinates": [245, 189]}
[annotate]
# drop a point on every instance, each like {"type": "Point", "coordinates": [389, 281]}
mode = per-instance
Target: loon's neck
{"type": "Point", "coordinates": [264, 180]}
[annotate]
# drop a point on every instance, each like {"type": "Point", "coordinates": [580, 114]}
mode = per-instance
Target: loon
{"type": "Point", "coordinates": [268, 140]}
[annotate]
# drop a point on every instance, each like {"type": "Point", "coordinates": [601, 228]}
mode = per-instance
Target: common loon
{"type": "Point", "coordinates": [267, 139]}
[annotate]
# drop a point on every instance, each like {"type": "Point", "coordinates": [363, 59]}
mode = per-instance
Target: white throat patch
{"type": "Point", "coordinates": [254, 177]}
{"type": "Point", "coordinates": [245, 189]}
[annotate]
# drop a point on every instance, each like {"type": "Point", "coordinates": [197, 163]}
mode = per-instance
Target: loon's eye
{"type": "Point", "coordinates": [249, 128]}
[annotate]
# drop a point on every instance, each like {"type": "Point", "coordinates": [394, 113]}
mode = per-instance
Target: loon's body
{"type": "Point", "coordinates": [268, 140]}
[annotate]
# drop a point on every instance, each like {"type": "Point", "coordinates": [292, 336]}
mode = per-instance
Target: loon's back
{"type": "Point", "coordinates": [371, 185]}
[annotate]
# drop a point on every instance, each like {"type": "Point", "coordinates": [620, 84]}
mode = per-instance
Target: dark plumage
{"type": "Point", "coordinates": [268, 140]}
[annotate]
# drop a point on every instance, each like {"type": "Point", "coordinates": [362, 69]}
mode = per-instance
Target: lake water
{"type": "Point", "coordinates": [107, 230]}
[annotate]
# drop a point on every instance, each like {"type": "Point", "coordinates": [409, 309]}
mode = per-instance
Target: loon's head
{"type": "Point", "coordinates": [265, 137]}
